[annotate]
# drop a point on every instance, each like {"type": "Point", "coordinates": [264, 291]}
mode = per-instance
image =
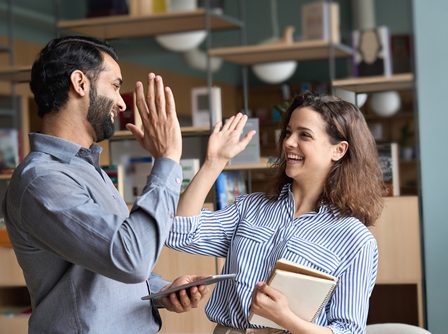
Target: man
{"type": "Point", "coordinates": [87, 261]}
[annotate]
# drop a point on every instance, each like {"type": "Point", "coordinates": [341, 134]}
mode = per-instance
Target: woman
{"type": "Point", "coordinates": [328, 190]}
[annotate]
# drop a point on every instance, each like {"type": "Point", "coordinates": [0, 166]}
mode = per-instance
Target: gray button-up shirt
{"type": "Point", "coordinates": [86, 260]}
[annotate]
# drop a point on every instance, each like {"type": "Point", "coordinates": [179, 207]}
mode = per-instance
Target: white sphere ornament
{"type": "Point", "coordinates": [275, 72]}
{"type": "Point", "coordinates": [385, 104]}
{"type": "Point", "coordinates": [182, 41]}
{"type": "Point", "coordinates": [361, 99]}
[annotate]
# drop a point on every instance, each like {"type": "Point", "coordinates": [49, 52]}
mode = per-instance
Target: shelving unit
{"type": "Point", "coordinates": [398, 295]}
{"type": "Point", "coordinates": [376, 83]}
{"type": "Point", "coordinates": [125, 26]}
{"type": "Point", "coordinates": [264, 53]}
{"type": "Point", "coordinates": [400, 270]}
{"type": "Point", "coordinates": [15, 74]}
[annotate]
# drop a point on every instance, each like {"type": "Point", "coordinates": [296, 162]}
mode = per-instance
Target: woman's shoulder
{"type": "Point", "coordinates": [350, 229]}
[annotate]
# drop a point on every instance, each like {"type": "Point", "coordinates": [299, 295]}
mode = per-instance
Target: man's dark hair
{"type": "Point", "coordinates": [50, 74]}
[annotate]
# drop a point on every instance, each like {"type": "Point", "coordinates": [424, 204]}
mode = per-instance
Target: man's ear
{"type": "Point", "coordinates": [339, 150]}
{"type": "Point", "coordinates": [79, 82]}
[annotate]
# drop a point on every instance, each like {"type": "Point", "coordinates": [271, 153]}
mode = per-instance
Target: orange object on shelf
{"type": "Point", "coordinates": [4, 238]}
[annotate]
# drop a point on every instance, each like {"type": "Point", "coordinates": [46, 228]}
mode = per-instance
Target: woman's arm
{"type": "Point", "coordinates": [223, 145]}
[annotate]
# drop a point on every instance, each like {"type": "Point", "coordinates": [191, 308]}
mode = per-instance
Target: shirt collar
{"type": "Point", "coordinates": [61, 149]}
{"type": "Point", "coordinates": [286, 193]}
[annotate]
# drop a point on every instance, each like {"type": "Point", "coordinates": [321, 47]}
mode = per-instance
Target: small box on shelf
{"type": "Point", "coordinates": [251, 154]}
{"type": "Point", "coordinates": [320, 21]}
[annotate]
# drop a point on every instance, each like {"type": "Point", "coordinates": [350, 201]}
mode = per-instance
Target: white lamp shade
{"type": "Point", "coordinates": [361, 99]}
{"type": "Point", "coordinates": [275, 72]}
{"type": "Point", "coordinates": [197, 59]}
{"type": "Point", "coordinates": [357, 99]}
{"type": "Point", "coordinates": [182, 41]}
{"type": "Point", "coordinates": [385, 104]}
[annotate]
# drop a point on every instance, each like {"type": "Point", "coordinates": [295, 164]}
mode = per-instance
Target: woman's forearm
{"type": "Point", "coordinates": [192, 199]}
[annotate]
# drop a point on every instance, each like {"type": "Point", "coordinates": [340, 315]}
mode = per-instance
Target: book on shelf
{"type": "Point", "coordinates": [116, 175]}
{"type": "Point", "coordinates": [308, 290]}
{"type": "Point", "coordinates": [9, 150]}
{"type": "Point", "coordinates": [371, 52]}
{"type": "Point", "coordinates": [189, 169]}
{"type": "Point", "coordinates": [201, 112]}
{"type": "Point", "coordinates": [229, 185]}
{"type": "Point", "coordinates": [127, 116]}
{"type": "Point", "coordinates": [388, 155]}
{"type": "Point", "coordinates": [251, 154]}
{"type": "Point", "coordinates": [320, 21]}
{"type": "Point", "coordinates": [136, 172]}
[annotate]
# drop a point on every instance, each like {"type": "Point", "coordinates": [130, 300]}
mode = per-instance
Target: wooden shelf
{"type": "Point", "coordinates": [376, 83]}
{"type": "Point", "coordinates": [263, 164]}
{"type": "Point", "coordinates": [15, 73]}
{"type": "Point", "coordinates": [126, 26]}
{"type": "Point", "coordinates": [186, 131]}
{"type": "Point", "coordinates": [5, 176]}
{"type": "Point", "coordinates": [14, 324]}
{"type": "Point", "coordinates": [265, 53]}
{"type": "Point", "coordinates": [13, 276]}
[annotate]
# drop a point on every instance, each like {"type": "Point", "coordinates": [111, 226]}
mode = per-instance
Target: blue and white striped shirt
{"type": "Point", "coordinates": [254, 232]}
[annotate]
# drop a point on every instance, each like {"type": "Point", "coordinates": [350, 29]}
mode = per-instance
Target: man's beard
{"type": "Point", "coordinates": [99, 115]}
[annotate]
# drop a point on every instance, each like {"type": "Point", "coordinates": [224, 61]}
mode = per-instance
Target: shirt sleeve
{"type": "Point", "coordinates": [349, 304]}
{"type": "Point", "coordinates": [66, 220]}
{"type": "Point", "coordinates": [209, 233]}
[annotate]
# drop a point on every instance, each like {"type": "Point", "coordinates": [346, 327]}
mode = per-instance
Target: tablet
{"type": "Point", "coordinates": [203, 281]}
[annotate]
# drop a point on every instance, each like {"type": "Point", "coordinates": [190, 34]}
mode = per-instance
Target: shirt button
{"type": "Point", "coordinates": [178, 180]}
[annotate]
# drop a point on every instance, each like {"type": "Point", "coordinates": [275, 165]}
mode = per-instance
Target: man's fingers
{"type": "Point", "coordinates": [140, 101]}
{"type": "Point", "coordinates": [160, 102]}
{"type": "Point", "coordinates": [150, 95]}
{"type": "Point", "coordinates": [170, 103]}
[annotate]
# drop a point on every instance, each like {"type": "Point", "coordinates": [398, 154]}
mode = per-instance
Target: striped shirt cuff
{"type": "Point", "coordinates": [185, 225]}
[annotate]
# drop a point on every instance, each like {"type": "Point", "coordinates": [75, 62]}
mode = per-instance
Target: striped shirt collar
{"type": "Point", "coordinates": [287, 194]}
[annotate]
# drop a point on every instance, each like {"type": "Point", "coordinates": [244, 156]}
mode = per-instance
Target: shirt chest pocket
{"type": "Point", "coordinates": [311, 255]}
{"type": "Point", "coordinates": [253, 233]}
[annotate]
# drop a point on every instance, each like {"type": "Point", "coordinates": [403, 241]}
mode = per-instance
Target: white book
{"type": "Point", "coordinates": [308, 290]}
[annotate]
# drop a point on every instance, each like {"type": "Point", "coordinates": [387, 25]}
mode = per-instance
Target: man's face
{"type": "Point", "coordinates": [105, 100]}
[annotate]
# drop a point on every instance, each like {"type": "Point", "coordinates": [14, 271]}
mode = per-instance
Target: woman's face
{"type": "Point", "coordinates": [308, 151]}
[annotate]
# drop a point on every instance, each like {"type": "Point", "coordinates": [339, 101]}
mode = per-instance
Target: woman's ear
{"type": "Point", "coordinates": [79, 82]}
{"type": "Point", "coordinates": [339, 150]}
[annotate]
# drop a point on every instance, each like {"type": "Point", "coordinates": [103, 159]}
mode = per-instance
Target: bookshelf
{"type": "Point", "coordinates": [15, 74]}
{"type": "Point", "coordinates": [264, 53]}
{"type": "Point", "coordinates": [126, 26]}
{"type": "Point", "coordinates": [403, 81]}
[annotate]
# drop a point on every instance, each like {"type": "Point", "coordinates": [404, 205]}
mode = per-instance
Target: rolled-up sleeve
{"type": "Point", "coordinates": [209, 233]}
